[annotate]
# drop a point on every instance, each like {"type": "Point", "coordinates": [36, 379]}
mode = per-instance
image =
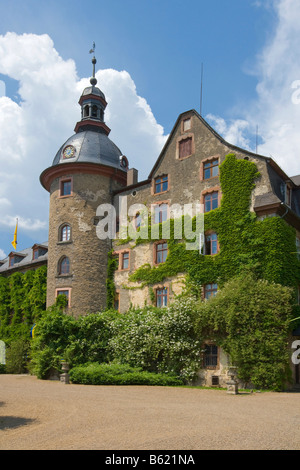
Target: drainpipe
{"type": "Point", "coordinates": [287, 209]}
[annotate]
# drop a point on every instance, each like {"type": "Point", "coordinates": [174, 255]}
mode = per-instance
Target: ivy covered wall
{"type": "Point", "coordinates": [22, 301]}
{"type": "Point", "coordinates": [265, 247]}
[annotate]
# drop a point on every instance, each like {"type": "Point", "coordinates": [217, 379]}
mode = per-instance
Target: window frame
{"type": "Point", "coordinates": [210, 168]}
{"type": "Point", "coordinates": [210, 253]}
{"type": "Point", "coordinates": [156, 207]}
{"type": "Point", "coordinates": [64, 289]}
{"type": "Point", "coordinates": [211, 201]}
{"type": "Point", "coordinates": [62, 181]}
{"type": "Point", "coordinates": [157, 184]}
{"type": "Point", "coordinates": [163, 295]}
{"type": "Point", "coordinates": [212, 290]}
{"type": "Point", "coordinates": [60, 269]}
{"type": "Point", "coordinates": [60, 235]}
{"type": "Point", "coordinates": [164, 251]}
{"type": "Point", "coordinates": [123, 254]}
{"type": "Point", "coordinates": [179, 143]}
{"type": "Point", "coordinates": [212, 357]}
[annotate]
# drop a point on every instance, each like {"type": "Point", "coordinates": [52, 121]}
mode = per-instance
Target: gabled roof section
{"type": "Point", "coordinates": [295, 180]}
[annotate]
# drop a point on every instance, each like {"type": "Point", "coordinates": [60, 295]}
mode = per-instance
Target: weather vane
{"type": "Point", "coordinates": [92, 51]}
{"type": "Point", "coordinates": [93, 80]}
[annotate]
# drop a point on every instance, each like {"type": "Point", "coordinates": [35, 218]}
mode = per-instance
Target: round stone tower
{"type": "Point", "coordinates": [85, 171]}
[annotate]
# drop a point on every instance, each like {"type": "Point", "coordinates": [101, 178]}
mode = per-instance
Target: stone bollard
{"type": "Point", "coordinates": [64, 377]}
{"type": "Point", "coordinates": [232, 384]}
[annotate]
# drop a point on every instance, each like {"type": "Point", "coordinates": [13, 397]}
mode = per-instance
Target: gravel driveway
{"type": "Point", "coordinates": [37, 414]}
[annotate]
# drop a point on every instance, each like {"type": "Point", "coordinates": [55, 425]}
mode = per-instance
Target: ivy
{"type": "Point", "coordinates": [22, 301]}
{"type": "Point", "coordinates": [264, 247]}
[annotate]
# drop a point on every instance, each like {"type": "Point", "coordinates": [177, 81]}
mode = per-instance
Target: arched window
{"type": "Point", "coordinates": [94, 111]}
{"type": "Point", "coordinates": [65, 233]}
{"type": "Point", "coordinates": [86, 111]}
{"type": "Point", "coordinates": [64, 266]}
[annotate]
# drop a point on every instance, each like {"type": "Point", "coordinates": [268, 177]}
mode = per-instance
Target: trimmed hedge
{"type": "Point", "coordinates": [118, 374]}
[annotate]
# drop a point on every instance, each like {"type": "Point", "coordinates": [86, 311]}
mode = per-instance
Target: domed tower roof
{"type": "Point", "coordinates": [90, 144]}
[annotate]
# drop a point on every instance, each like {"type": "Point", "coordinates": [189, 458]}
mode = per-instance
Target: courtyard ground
{"type": "Point", "coordinates": [49, 415]}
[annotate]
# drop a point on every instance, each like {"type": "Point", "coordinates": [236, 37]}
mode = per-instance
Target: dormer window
{"type": "Point", "coordinates": [38, 250]}
{"type": "Point", "coordinates": [15, 258]}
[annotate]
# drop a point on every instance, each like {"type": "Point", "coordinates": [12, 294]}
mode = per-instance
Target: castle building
{"type": "Point", "coordinates": [89, 171]}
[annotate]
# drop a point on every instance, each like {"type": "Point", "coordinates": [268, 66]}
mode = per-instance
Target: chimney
{"type": "Point", "coordinates": [132, 176]}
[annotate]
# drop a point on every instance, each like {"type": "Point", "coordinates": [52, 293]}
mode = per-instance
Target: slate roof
{"type": "Point", "coordinates": [26, 260]}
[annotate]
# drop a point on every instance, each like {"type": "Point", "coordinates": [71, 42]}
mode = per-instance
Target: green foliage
{"type": "Point", "coordinates": [54, 332]}
{"type": "Point", "coordinates": [159, 340]}
{"type": "Point", "coordinates": [22, 302]}
{"type": "Point", "coordinates": [17, 356]}
{"type": "Point", "coordinates": [112, 265]}
{"type": "Point", "coordinates": [265, 247]}
{"type": "Point", "coordinates": [118, 374]}
{"type": "Point", "coordinates": [250, 319]}
{"type": "Point", "coordinates": [93, 333]}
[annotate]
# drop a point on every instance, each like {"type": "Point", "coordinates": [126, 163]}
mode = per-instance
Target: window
{"type": "Point", "coordinates": [35, 254]}
{"type": "Point", "coordinates": [161, 252]}
{"type": "Point", "coordinates": [14, 259]}
{"type": "Point", "coordinates": [66, 187]}
{"type": "Point", "coordinates": [138, 221]}
{"type": "Point", "coordinates": [94, 111]}
{"type": "Point", "coordinates": [161, 184]}
{"type": "Point", "coordinates": [86, 111]}
{"type": "Point", "coordinates": [117, 301]}
{"type": "Point", "coordinates": [211, 201]}
{"type": "Point", "coordinates": [185, 147]}
{"type": "Point", "coordinates": [210, 290]}
{"type": "Point", "coordinates": [210, 169]}
{"type": "Point", "coordinates": [210, 358]}
{"type": "Point", "coordinates": [64, 266]}
{"type": "Point", "coordinates": [162, 297]}
{"type": "Point", "coordinates": [65, 292]}
{"type": "Point", "coordinates": [125, 260]}
{"type": "Point", "coordinates": [186, 125]}
{"type": "Point", "coordinates": [211, 244]}
{"type": "Point", "coordinates": [160, 213]}
{"type": "Point", "coordinates": [65, 233]}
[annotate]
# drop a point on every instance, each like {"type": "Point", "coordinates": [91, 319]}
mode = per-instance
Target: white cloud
{"type": "Point", "coordinates": [33, 129]}
{"type": "Point", "coordinates": [276, 109]}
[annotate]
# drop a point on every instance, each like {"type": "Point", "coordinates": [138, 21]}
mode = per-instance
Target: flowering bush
{"type": "Point", "coordinates": [160, 340]}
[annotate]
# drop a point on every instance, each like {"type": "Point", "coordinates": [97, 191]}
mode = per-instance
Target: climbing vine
{"type": "Point", "coordinates": [265, 247]}
{"type": "Point", "coordinates": [22, 301]}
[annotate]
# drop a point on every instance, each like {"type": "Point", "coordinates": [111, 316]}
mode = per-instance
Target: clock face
{"type": "Point", "coordinates": [69, 151]}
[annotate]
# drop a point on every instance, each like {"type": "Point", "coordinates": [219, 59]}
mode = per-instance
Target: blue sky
{"type": "Point", "coordinates": [149, 55]}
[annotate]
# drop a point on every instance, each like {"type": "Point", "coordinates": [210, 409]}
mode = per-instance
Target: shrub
{"type": "Point", "coordinates": [118, 374]}
{"type": "Point", "coordinates": [16, 357]}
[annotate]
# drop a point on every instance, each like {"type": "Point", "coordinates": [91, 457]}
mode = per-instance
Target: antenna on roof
{"type": "Point", "coordinates": [201, 89]}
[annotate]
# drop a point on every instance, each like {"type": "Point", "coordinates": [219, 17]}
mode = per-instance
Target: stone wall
{"type": "Point", "coordinates": [87, 254]}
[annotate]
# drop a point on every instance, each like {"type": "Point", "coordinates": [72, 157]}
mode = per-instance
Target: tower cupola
{"type": "Point", "coordinates": [93, 104]}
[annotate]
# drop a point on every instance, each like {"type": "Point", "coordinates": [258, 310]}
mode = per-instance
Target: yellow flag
{"type": "Point", "coordinates": [14, 242]}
